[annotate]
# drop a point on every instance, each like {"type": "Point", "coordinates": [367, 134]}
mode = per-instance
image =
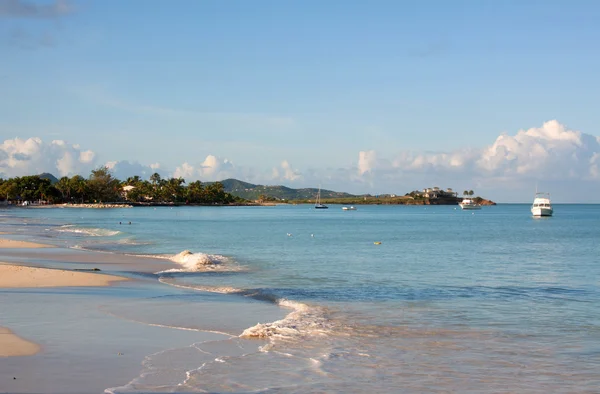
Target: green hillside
{"type": "Point", "coordinates": [48, 176]}
{"type": "Point", "coordinates": [251, 191]}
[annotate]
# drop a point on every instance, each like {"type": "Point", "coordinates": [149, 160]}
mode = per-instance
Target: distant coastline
{"type": "Point", "coordinates": [102, 190]}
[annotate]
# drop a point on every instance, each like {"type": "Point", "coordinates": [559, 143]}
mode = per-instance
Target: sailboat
{"type": "Point", "coordinates": [318, 204]}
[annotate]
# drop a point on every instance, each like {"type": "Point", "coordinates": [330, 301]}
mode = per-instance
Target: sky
{"type": "Point", "coordinates": [365, 97]}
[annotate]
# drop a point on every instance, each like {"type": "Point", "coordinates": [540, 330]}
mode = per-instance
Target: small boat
{"type": "Point", "coordinates": [469, 203]}
{"type": "Point", "coordinates": [318, 204]}
{"type": "Point", "coordinates": [377, 242]}
{"type": "Point", "coordinates": [351, 208]}
{"type": "Point", "coordinates": [542, 206]}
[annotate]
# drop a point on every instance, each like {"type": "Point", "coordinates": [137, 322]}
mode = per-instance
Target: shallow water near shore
{"type": "Point", "coordinates": [488, 301]}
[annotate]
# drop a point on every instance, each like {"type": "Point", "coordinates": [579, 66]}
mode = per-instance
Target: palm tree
{"type": "Point", "coordinates": [64, 187]}
{"type": "Point", "coordinates": [79, 187]}
{"type": "Point", "coordinates": [155, 178]}
{"type": "Point", "coordinates": [465, 193]}
{"type": "Point", "coordinates": [471, 192]}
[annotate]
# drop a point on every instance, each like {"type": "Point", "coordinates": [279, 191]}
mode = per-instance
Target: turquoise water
{"type": "Point", "coordinates": [485, 301]}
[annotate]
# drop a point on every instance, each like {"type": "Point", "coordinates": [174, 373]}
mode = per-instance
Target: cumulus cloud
{"type": "Point", "coordinates": [124, 169]}
{"type": "Point", "coordinates": [20, 157]}
{"type": "Point", "coordinates": [285, 172]}
{"type": "Point", "coordinates": [185, 171]}
{"type": "Point", "coordinates": [213, 168]}
{"type": "Point", "coordinates": [366, 161]}
{"type": "Point", "coordinates": [512, 162]}
{"type": "Point", "coordinates": [550, 153]}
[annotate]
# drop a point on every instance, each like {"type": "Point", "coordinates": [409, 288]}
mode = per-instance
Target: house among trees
{"type": "Point", "coordinates": [436, 192]}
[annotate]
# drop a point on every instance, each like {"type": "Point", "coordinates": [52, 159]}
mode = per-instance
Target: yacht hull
{"type": "Point", "coordinates": [541, 211]}
{"type": "Point", "coordinates": [470, 206]}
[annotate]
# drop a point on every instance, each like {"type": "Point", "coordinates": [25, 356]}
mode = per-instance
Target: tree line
{"type": "Point", "coordinates": [102, 186]}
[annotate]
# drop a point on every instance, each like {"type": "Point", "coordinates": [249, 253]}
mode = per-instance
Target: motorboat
{"type": "Point", "coordinates": [350, 208]}
{"type": "Point", "coordinates": [469, 203]}
{"type": "Point", "coordinates": [542, 206]}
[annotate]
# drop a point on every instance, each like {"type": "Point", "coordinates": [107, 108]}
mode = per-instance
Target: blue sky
{"type": "Point", "coordinates": [293, 91]}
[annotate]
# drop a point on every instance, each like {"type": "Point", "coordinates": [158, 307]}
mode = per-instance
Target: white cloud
{"type": "Point", "coordinates": [86, 156]}
{"type": "Point", "coordinates": [185, 171]}
{"type": "Point", "coordinates": [124, 169]}
{"type": "Point", "coordinates": [551, 154]}
{"type": "Point", "coordinates": [367, 161]}
{"type": "Point", "coordinates": [285, 172]}
{"type": "Point", "coordinates": [20, 157]}
{"type": "Point", "coordinates": [548, 152]}
{"type": "Point", "coordinates": [213, 168]}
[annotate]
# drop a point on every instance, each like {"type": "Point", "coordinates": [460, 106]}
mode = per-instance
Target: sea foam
{"type": "Point", "coordinates": [91, 232]}
{"type": "Point", "coordinates": [196, 262]}
{"type": "Point", "coordinates": [304, 320]}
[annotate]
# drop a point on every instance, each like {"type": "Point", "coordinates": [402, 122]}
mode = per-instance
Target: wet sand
{"type": "Point", "coordinates": [12, 244]}
{"type": "Point", "coordinates": [12, 345]}
{"type": "Point", "coordinates": [12, 276]}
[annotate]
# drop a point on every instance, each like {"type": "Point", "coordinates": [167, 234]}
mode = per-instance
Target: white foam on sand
{"type": "Point", "coordinates": [303, 321]}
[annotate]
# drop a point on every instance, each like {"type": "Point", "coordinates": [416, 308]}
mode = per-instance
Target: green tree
{"type": "Point", "coordinates": [79, 188]}
{"type": "Point", "coordinates": [103, 186]}
{"type": "Point", "coordinates": [172, 190]}
{"type": "Point", "coordinates": [9, 189]}
{"type": "Point", "coordinates": [155, 178]}
{"type": "Point", "coordinates": [195, 192]}
{"type": "Point", "coordinates": [471, 192]}
{"type": "Point", "coordinates": [64, 187]}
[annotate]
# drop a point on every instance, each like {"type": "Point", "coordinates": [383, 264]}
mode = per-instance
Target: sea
{"type": "Point", "coordinates": [290, 299]}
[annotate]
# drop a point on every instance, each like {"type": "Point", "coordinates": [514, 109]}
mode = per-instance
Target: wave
{"type": "Point", "coordinates": [91, 232]}
{"type": "Point", "coordinates": [196, 262]}
{"type": "Point", "coordinates": [208, 289]}
{"type": "Point", "coordinates": [131, 241]}
{"type": "Point", "coordinates": [304, 320]}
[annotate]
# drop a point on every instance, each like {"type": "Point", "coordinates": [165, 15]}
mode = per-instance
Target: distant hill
{"type": "Point", "coordinates": [251, 191]}
{"type": "Point", "coordinates": [49, 176]}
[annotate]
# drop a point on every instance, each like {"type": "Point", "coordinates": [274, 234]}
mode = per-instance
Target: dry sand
{"type": "Point", "coordinates": [11, 244]}
{"type": "Point", "coordinates": [13, 345]}
{"type": "Point", "coordinates": [20, 276]}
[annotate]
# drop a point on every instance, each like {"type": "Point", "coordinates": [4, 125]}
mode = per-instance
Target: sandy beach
{"type": "Point", "coordinates": [12, 345]}
{"type": "Point", "coordinates": [12, 244]}
{"type": "Point", "coordinates": [15, 276]}
{"type": "Point", "coordinates": [12, 276]}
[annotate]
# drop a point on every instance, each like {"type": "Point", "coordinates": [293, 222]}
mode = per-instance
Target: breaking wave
{"type": "Point", "coordinates": [91, 232]}
{"type": "Point", "coordinates": [303, 320]}
{"type": "Point", "coordinates": [196, 262]}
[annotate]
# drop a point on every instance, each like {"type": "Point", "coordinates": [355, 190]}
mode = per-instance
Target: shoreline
{"type": "Point", "coordinates": [13, 244]}
{"type": "Point", "coordinates": [12, 345]}
{"type": "Point", "coordinates": [43, 331]}
{"type": "Point", "coordinates": [22, 276]}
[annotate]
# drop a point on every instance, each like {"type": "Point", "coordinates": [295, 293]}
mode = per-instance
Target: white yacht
{"type": "Point", "coordinates": [542, 206]}
{"type": "Point", "coordinates": [350, 208]}
{"type": "Point", "coordinates": [469, 203]}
